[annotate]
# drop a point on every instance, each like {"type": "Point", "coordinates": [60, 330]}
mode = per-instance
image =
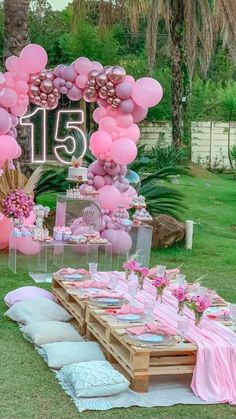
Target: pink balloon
{"type": "Point", "coordinates": [8, 97]}
{"type": "Point", "coordinates": [21, 75]}
{"type": "Point", "coordinates": [6, 226]}
{"type": "Point", "coordinates": [108, 180]}
{"type": "Point", "coordinates": [58, 70]}
{"type": "Point", "coordinates": [129, 79]}
{"type": "Point", "coordinates": [126, 106]}
{"type": "Point", "coordinates": [12, 63]}
{"type": "Point", "coordinates": [123, 90]}
{"type": "Point", "coordinates": [8, 147]}
{"type": "Point", "coordinates": [74, 93]}
{"type": "Point", "coordinates": [82, 65]}
{"type": "Point", "coordinates": [19, 151]}
{"type": "Point", "coordinates": [68, 73]}
{"type": "Point", "coordinates": [19, 109]}
{"type": "Point", "coordinates": [98, 182]}
{"type": "Point", "coordinates": [133, 132]}
{"type": "Point", "coordinates": [147, 92]}
{"type": "Point", "coordinates": [112, 112]}
{"type": "Point", "coordinates": [139, 113]}
{"type": "Point", "coordinates": [99, 113]}
{"type": "Point", "coordinates": [123, 151]}
{"type": "Point", "coordinates": [107, 124]}
{"type": "Point", "coordinates": [120, 240]}
{"type": "Point", "coordinates": [81, 81]}
{"type": "Point", "coordinates": [33, 58]}
{"type": "Point", "coordinates": [95, 65]}
{"type": "Point", "coordinates": [5, 122]}
{"type": "Point", "coordinates": [100, 142]}
{"type": "Point", "coordinates": [27, 246]}
{"type": "Point", "coordinates": [96, 168]}
{"type": "Point", "coordinates": [123, 170]}
{"type": "Point", "coordinates": [21, 87]}
{"type": "Point", "coordinates": [102, 102]}
{"type": "Point", "coordinates": [109, 197]}
{"type": "Point", "coordinates": [124, 121]}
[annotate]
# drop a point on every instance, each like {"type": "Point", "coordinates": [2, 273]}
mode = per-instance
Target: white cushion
{"type": "Point", "coordinates": [41, 333]}
{"type": "Point", "coordinates": [26, 293]}
{"type": "Point", "coordinates": [57, 355]}
{"type": "Point", "coordinates": [94, 379]}
{"type": "Point", "coordinates": [37, 310]}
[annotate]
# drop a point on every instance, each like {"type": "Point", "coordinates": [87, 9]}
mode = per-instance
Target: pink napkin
{"type": "Point", "coordinates": [89, 284]}
{"type": "Point", "coordinates": [221, 312]}
{"type": "Point", "coordinates": [125, 309]}
{"type": "Point", "coordinates": [71, 271]}
{"type": "Point", "coordinates": [152, 328]}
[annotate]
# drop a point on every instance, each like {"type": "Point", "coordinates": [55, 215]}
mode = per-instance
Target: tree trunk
{"type": "Point", "coordinates": [16, 36]}
{"type": "Point", "coordinates": [176, 32]}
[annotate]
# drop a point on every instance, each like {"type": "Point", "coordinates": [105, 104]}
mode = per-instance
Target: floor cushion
{"type": "Point", "coordinates": [41, 333]}
{"type": "Point", "coordinates": [37, 310]}
{"type": "Point", "coordinates": [94, 379]}
{"type": "Point", "coordinates": [26, 293]}
{"type": "Point", "coordinates": [59, 354]}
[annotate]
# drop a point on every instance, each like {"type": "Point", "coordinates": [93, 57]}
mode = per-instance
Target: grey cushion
{"type": "Point", "coordinates": [41, 333]}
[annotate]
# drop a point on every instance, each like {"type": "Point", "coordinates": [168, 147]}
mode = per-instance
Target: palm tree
{"type": "Point", "coordinates": [16, 36]}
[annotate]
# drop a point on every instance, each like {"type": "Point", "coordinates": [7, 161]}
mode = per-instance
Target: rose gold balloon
{"type": "Point", "coordinates": [37, 100]}
{"type": "Point", "coordinates": [43, 96]}
{"type": "Point", "coordinates": [101, 79]}
{"type": "Point", "coordinates": [33, 77]}
{"type": "Point", "coordinates": [46, 86]}
{"type": "Point", "coordinates": [117, 74]}
{"type": "Point", "coordinates": [116, 101]}
{"type": "Point", "coordinates": [92, 83]}
{"type": "Point", "coordinates": [93, 74]}
{"type": "Point", "coordinates": [55, 91]}
{"type": "Point", "coordinates": [103, 89]}
{"type": "Point", "coordinates": [109, 85]}
{"type": "Point", "coordinates": [37, 81]}
{"type": "Point", "coordinates": [43, 103]}
{"type": "Point", "coordinates": [111, 92]}
{"type": "Point", "coordinates": [89, 96]}
{"type": "Point", "coordinates": [43, 75]}
{"type": "Point", "coordinates": [34, 89]}
{"type": "Point", "coordinates": [110, 100]}
{"type": "Point", "coordinates": [51, 96]}
{"type": "Point", "coordinates": [102, 95]}
{"type": "Point", "coordinates": [107, 69]}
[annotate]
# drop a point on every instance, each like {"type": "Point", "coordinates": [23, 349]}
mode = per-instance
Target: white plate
{"type": "Point", "coordinates": [148, 337]}
{"type": "Point", "coordinates": [128, 317]}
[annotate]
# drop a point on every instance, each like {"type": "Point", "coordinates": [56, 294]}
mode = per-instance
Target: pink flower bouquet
{"type": "Point", "coordinates": [181, 293]}
{"type": "Point", "coordinates": [142, 272]}
{"type": "Point", "coordinates": [17, 204]}
{"type": "Point", "coordinates": [160, 282]}
{"type": "Point", "coordinates": [199, 304]}
{"type": "Point", "coordinates": [133, 266]}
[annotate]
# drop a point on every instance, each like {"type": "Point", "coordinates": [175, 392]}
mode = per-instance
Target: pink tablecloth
{"type": "Point", "coordinates": [214, 376]}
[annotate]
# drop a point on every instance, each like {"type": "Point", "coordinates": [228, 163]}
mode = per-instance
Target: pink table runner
{"type": "Point", "coordinates": [214, 376]}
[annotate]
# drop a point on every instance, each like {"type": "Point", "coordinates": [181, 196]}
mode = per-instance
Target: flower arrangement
{"type": "Point", "coordinates": [181, 293]}
{"type": "Point", "coordinates": [142, 272]}
{"type": "Point", "coordinates": [133, 266]}
{"type": "Point", "coordinates": [199, 303]}
{"type": "Point", "coordinates": [160, 282]}
{"type": "Point", "coordinates": [17, 204]}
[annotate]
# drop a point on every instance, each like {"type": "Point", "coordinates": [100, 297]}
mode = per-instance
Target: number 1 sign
{"type": "Point", "coordinates": [69, 138]}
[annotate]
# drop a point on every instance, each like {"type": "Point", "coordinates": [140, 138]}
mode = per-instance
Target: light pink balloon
{"type": "Point", "coordinates": [8, 147]}
{"type": "Point", "coordinates": [129, 79]}
{"type": "Point", "coordinates": [96, 168]}
{"type": "Point", "coordinates": [133, 132]}
{"type": "Point", "coordinates": [147, 92]}
{"type": "Point", "coordinates": [123, 151]}
{"type": "Point", "coordinates": [19, 151]}
{"type": "Point", "coordinates": [68, 73]}
{"type": "Point", "coordinates": [6, 226]}
{"type": "Point", "coordinates": [126, 106]}
{"type": "Point", "coordinates": [74, 93]}
{"type": "Point", "coordinates": [124, 90]}
{"type": "Point", "coordinates": [98, 182]}
{"type": "Point", "coordinates": [102, 102]}
{"type": "Point", "coordinates": [108, 180]}
{"type": "Point", "coordinates": [109, 197]}
{"type": "Point", "coordinates": [8, 97]}
{"type": "Point", "coordinates": [21, 87]}
{"type": "Point", "coordinates": [21, 75]}
{"type": "Point", "coordinates": [28, 246]}
{"type": "Point", "coordinates": [82, 65]}
{"type": "Point", "coordinates": [139, 113]}
{"type": "Point", "coordinates": [57, 71]}
{"type": "Point", "coordinates": [100, 142]}
{"type": "Point", "coordinates": [112, 112]}
{"type": "Point", "coordinates": [121, 241]}
{"type": "Point", "coordinates": [99, 113]}
{"type": "Point", "coordinates": [63, 90]}
{"type": "Point", "coordinates": [95, 65]}
{"type": "Point", "coordinates": [124, 121]}
{"type": "Point", "coordinates": [5, 122]}
{"type": "Point", "coordinates": [19, 109]}
{"type": "Point", "coordinates": [12, 63]}
{"type": "Point", "coordinates": [81, 81]}
{"type": "Point", "coordinates": [33, 58]}
{"type": "Point", "coordinates": [107, 124]}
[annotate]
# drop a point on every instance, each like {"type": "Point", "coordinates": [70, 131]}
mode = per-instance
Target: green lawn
{"type": "Point", "coordinates": [28, 389]}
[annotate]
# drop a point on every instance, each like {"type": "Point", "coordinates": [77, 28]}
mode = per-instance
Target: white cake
{"type": "Point", "coordinates": [77, 173]}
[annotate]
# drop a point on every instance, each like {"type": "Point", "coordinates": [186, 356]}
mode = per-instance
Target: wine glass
{"type": "Point", "coordinates": [180, 280]}
{"type": "Point", "coordinates": [93, 268]}
{"type": "Point", "coordinates": [149, 309]}
{"type": "Point", "coordinates": [232, 312]}
{"type": "Point", "coordinates": [113, 282]}
{"type": "Point", "coordinates": [161, 270]}
{"type": "Point", "coordinates": [183, 325]}
{"type": "Point", "coordinates": [133, 289]}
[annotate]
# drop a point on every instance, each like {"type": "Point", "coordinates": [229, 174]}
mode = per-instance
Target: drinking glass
{"type": "Point", "coordinates": [93, 268]}
{"type": "Point", "coordinates": [180, 280]}
{"type": "Point", "coordinates": [183, 325]}
{"type": "Point", "coordinates": [161, 270]}
{"type": "Point", "coordinates": [133, 289]}
{"type": "Point", "coordinates": [113, 281]}
{"type": "Point", "coordinates": [232, 312]}
{"type": "Point", "coordinates": [149, 309]}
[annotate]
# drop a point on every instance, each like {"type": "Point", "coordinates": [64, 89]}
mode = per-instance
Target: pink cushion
{"type": "Point", "coordinates": [24, 293]}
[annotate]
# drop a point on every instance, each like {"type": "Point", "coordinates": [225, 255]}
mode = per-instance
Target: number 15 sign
{"type": "Point", "coordinates": [69, 138]}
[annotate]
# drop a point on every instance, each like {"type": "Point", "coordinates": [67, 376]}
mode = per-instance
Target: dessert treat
{"type": "Point", "coordinates": [58, 233]}
{"type": "Point", "coordinates": [76, 171]}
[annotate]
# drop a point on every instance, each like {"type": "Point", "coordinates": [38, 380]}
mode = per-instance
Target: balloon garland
{"type": "Point", "coordinates": [122, 103]}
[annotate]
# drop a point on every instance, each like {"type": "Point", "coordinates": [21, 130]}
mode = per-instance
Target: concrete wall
{"type": "Point", "coordinates": [209, 140]}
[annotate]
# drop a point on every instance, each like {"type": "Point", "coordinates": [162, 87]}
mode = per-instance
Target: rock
{"type": "Point", "coordinates": [166, 231]}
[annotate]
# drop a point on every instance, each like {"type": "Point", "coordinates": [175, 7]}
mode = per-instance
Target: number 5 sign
{"type": "Point", "coordinates": [69, 138]}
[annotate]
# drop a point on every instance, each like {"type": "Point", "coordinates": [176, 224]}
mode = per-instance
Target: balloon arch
{"type": "Point", "coordinates": [122, 103]}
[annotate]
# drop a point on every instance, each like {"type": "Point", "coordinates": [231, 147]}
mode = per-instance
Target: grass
{"type": "Point", "coordinates": [29, 389]}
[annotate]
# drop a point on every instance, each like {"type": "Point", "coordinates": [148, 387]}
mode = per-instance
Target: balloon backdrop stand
{"type": "Point", "coordinates": [41, 259]}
